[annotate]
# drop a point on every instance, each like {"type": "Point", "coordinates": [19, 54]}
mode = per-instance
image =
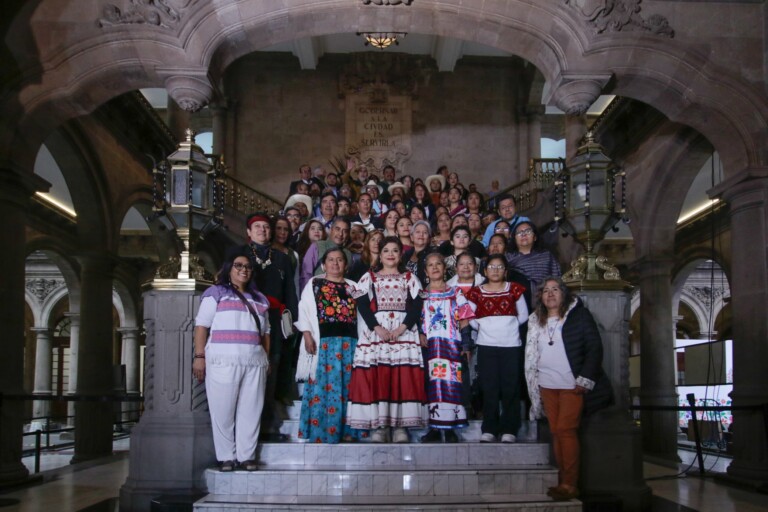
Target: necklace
{"type": "Point", "coordinates": [262, 263]}
{"type": "Point", "coordinates": [551, 331]}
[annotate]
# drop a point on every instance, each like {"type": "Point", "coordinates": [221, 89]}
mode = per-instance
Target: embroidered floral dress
{"type": "Point", "coordinates": [440, 317]}
{"type": "Point", "coordinates": [324, 401]}
{"type": "Point", "coordinates": [387, 388]}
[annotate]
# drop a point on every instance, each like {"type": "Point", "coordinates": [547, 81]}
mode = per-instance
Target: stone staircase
{"type": "Point", "coordinates": [364, 476]}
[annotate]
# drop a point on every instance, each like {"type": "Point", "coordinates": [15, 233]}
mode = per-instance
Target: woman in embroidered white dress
{"type": "Point", "coordinates": [387, 386]}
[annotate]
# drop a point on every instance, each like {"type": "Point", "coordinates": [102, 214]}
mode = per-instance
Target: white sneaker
{"type": "Point", "coordinates": [401, 436]}
{"type": "Point", "coordinates": [487, 438]}
{"type": "Point", "coordinates": [380, 435]}
{"type": "Point", "coordinates": [508, 438]}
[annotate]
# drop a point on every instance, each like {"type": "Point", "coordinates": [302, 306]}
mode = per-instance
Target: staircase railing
{"type": "Point", "coordinates": [242, 199]}
{"type": "Point", "coordinates": [541, 175]}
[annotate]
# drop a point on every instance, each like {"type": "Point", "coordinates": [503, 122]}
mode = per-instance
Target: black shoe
{"type": "Point", "coordinates": [433, 436]}
{"type": "Point", "coordinates": [249, 465]}
{"type": "Point", "coordinates": [451, 436]}
{"type": "Point", "coordinates": [227, 466]}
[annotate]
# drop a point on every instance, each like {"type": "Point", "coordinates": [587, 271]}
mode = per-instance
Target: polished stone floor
{"type": "Point", "coordinates": [94, 487]}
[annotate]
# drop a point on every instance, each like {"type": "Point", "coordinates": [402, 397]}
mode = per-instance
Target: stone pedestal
{"type": "Point", "coordinates": [172, 444]}
{"type": "Point", "coordinates": [130, 359]}
{"type": "Point", "coordinates": [611, 452]}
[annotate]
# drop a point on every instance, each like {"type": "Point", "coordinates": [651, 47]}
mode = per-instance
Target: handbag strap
{"type": "Point", "coordinates": [250, 308]}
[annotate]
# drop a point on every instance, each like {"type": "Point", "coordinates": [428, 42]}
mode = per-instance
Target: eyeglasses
{"type": "Point", "coordinates": [524, 232]}
{"type": "Point", "coordinates": [495, 267]}
{"type": "Point", "coordinates": [243, 266]}
{"type": "Point", "coordinates": [292, 216]}
{"type": "Point", "coordinates": [502, 230]}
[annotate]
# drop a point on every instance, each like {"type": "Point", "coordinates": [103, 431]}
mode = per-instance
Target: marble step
{"type": "Point", "coordinates": [528, 432]}
{"type": "Point", "coordinates": [431, 456]}
{"type": "Point", "coordinates": [496, 503]}
{"type": "Point", "coordinates": [389, 481]}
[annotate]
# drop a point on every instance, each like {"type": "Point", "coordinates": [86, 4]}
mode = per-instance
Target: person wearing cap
{"type": "Point", "coordinates": [301, 202]}
{"type": "Point", "coordinates": [508, 213]}
{"type": "Point", "coordinates": [374, 190]}
{"type": "Point", "coordinates": [273, 275]}
{"type": "Point", "coordinates": [435, 184]}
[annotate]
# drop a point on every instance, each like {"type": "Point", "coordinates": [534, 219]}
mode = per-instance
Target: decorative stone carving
{"type": "Point", "coordinates": [169, 269]}
{"type": "Point", "coordinates": [160, 13]}
{"type": "Point", "coordinates": [190, 89]}
{"type": "Point", "coordinates": [574, 93]}
{"type": "Point", "coordinates": [620, 15]}
{"type": "Point", "coordinates": [400, 74]}
{"type": "Point", "coordinates": [41, 287]}
{"type": "Point", "coordinates": [705, 294]}
{"type": "Point", "coordinates": [387, 2]}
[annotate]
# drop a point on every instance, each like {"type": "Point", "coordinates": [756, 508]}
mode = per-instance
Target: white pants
{"type": "Point", "coordinates": [235, 400]}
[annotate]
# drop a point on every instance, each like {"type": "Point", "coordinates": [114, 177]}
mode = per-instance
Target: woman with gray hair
{"type": "Point", "coordinates": [421, 235]}
{"type": "Point", "coordinates": [565, 378]}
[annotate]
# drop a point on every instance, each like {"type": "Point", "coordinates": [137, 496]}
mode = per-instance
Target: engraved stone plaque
{"type": "Point", "coordinates": [378, 129]}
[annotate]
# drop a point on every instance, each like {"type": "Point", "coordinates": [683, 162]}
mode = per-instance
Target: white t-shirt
{"type": "Point", "coordinates": [554, 369]}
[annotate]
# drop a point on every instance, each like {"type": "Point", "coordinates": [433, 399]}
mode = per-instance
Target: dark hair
{"type": "Point", "coordinates": [496, 256]}
{"type": "Point", "coordinates": [343, 199]}
{"type": "Point", "coordinates": [382, 243]}
{"type": "Point", "coordinates": [427, 193]}
{"type": "Point", "coordinates": [334, 248]}
{"type": "Point", "coordinates": [541, 309]}
{"type": "Point", "coordinates": [499, 235]}
{"type": "Point", "coordinates": [222, 276]}
{"type": "Point", "coordinates": [326, 194]}
{"type": "Point", "coordinates": [302, 246]}
{"type": "Point", "coordinates": [461, 228]}
{"type": "Point", "coordinates": [468, 255]}
{"type": "Point", "coordinates": [513, 237]}
{"type": "Point", "coordinates": [441, 169]}
{"type": "Point", "coordinates": [417, 206]}
{"type": "Point", "coordinates": [504, 197]}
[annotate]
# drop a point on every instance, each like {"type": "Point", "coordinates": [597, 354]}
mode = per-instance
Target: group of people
{"type": "Point", "coordinates": [400, 302]}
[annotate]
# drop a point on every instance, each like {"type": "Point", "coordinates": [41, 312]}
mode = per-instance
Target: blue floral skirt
{"type": "Point", "coordinates": [324, 400]}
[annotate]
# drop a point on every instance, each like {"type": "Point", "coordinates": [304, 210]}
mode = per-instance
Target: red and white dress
{"type": "Point", "coordinates": [387, 385]}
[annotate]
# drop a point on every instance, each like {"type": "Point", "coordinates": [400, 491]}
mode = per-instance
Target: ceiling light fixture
{"type": "Point", "coordinates": [382, 40]}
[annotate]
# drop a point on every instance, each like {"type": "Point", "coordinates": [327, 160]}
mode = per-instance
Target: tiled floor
{"type": "Point", "coordinates": [95, 486]}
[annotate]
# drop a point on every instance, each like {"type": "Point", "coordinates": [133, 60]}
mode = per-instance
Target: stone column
{"type": "Point", "coordinates": [747, 196]}
{"type": "Point", "coordinates": [657, 360]}
{"type": "Point", "coordinates": [94, 419]}
{"type": "Point", "coordinates": [42, 371]}
{"type": "Point", "coordinates": [178, 119]}
{"type": "Point", "coordinates": [230, 144]}
{"type": "Point", "coordinates": [74, 342]}
{"type": "Point", "coordinates": [611, 451]}
{"type": "Point", "coordinates": [575, 129]}
{"type": "Point", "coordinates": [130, 358]}
{"type": "Point", "coordinates": [15, 191]}
{"type": "Point", "coordinates": [172, 444]}
{"type": "Point", "coordinates": [534, 130]}
{"type": "Point", "coordinates": [219, 113]}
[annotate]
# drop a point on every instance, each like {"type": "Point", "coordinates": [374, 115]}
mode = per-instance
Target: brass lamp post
{"type": "Point", "coordinates": [188, 191]}
{"type": "Point", "coordinates": [585, 194]}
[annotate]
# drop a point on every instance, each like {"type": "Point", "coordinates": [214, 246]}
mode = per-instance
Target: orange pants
{"type": "Point", "coordinates": [563, 408]}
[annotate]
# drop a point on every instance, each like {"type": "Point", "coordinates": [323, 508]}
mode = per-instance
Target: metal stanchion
{"type": "Point", "coordinates": [692, 402]}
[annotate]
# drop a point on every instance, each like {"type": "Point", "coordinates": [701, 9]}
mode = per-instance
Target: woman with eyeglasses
{"type": "Point", "coordinates": [535, 263]}
{"type": "Point", "coordinates": [231, 341]}
{"type": "Point", "coordinates": [563, 369]}
{"type": "Point", "coordinates": [500, 312]}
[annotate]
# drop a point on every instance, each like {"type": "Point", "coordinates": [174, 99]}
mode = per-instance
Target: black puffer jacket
{"type": "Point", "coordinates": [584, 350]}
